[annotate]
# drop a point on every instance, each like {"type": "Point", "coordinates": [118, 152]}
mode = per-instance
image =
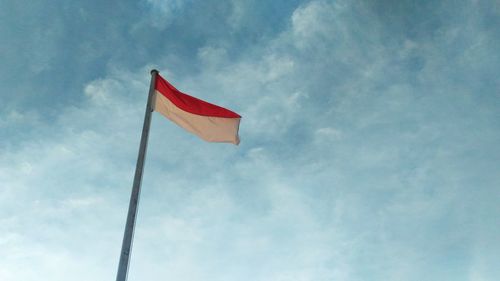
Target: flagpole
{"type": "Point", "coordinates": [136, 188]}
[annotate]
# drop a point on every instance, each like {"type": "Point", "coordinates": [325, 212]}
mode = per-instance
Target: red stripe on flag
{"type": "Point", "coordinates": [189, 103]}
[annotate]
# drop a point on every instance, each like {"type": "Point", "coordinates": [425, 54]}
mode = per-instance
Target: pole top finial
{"type": "Point", "coordinates": [154, 71]}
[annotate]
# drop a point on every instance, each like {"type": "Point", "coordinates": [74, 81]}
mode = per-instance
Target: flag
{"type": "Point", "coordinates": [208, 121]}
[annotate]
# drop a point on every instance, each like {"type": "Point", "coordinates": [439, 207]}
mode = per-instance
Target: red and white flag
{"type": "Point", "coordinates": [208, 121]}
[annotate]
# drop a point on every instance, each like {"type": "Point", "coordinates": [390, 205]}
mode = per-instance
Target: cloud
{"type": "Point", "coordinates": [163, 12]}
{"type": "Point", "coordinates": [66, 179]}
{"type": "Point", "coordinates": [363, 157]}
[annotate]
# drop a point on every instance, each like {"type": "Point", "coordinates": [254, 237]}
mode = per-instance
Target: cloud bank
{"type": "Point", "coordinates": [368, 147]}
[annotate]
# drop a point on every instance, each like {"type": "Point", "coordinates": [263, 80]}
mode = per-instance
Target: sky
{"type": "Point", "coordinates": [369, 140]}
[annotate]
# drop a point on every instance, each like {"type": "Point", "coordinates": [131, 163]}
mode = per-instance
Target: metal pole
{"type": "Point", "coordinates": [136, 188]}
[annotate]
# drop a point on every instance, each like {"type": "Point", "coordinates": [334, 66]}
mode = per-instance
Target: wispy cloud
{"type": "Point", "coordinates": [368, 151]}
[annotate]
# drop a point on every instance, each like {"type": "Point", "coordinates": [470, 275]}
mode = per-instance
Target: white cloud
{"type": "Point", "coordinates": [328, 133]}
{"type": "Point", "coordinates": [314, 21]}
{"type": "Point", "coordinates": [164, 11]}
{"type": "Point", "coordinates": [341, 174]}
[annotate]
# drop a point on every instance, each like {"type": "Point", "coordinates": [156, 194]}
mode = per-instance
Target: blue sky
{"type": "Point", "coordinates": [369, 148]}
